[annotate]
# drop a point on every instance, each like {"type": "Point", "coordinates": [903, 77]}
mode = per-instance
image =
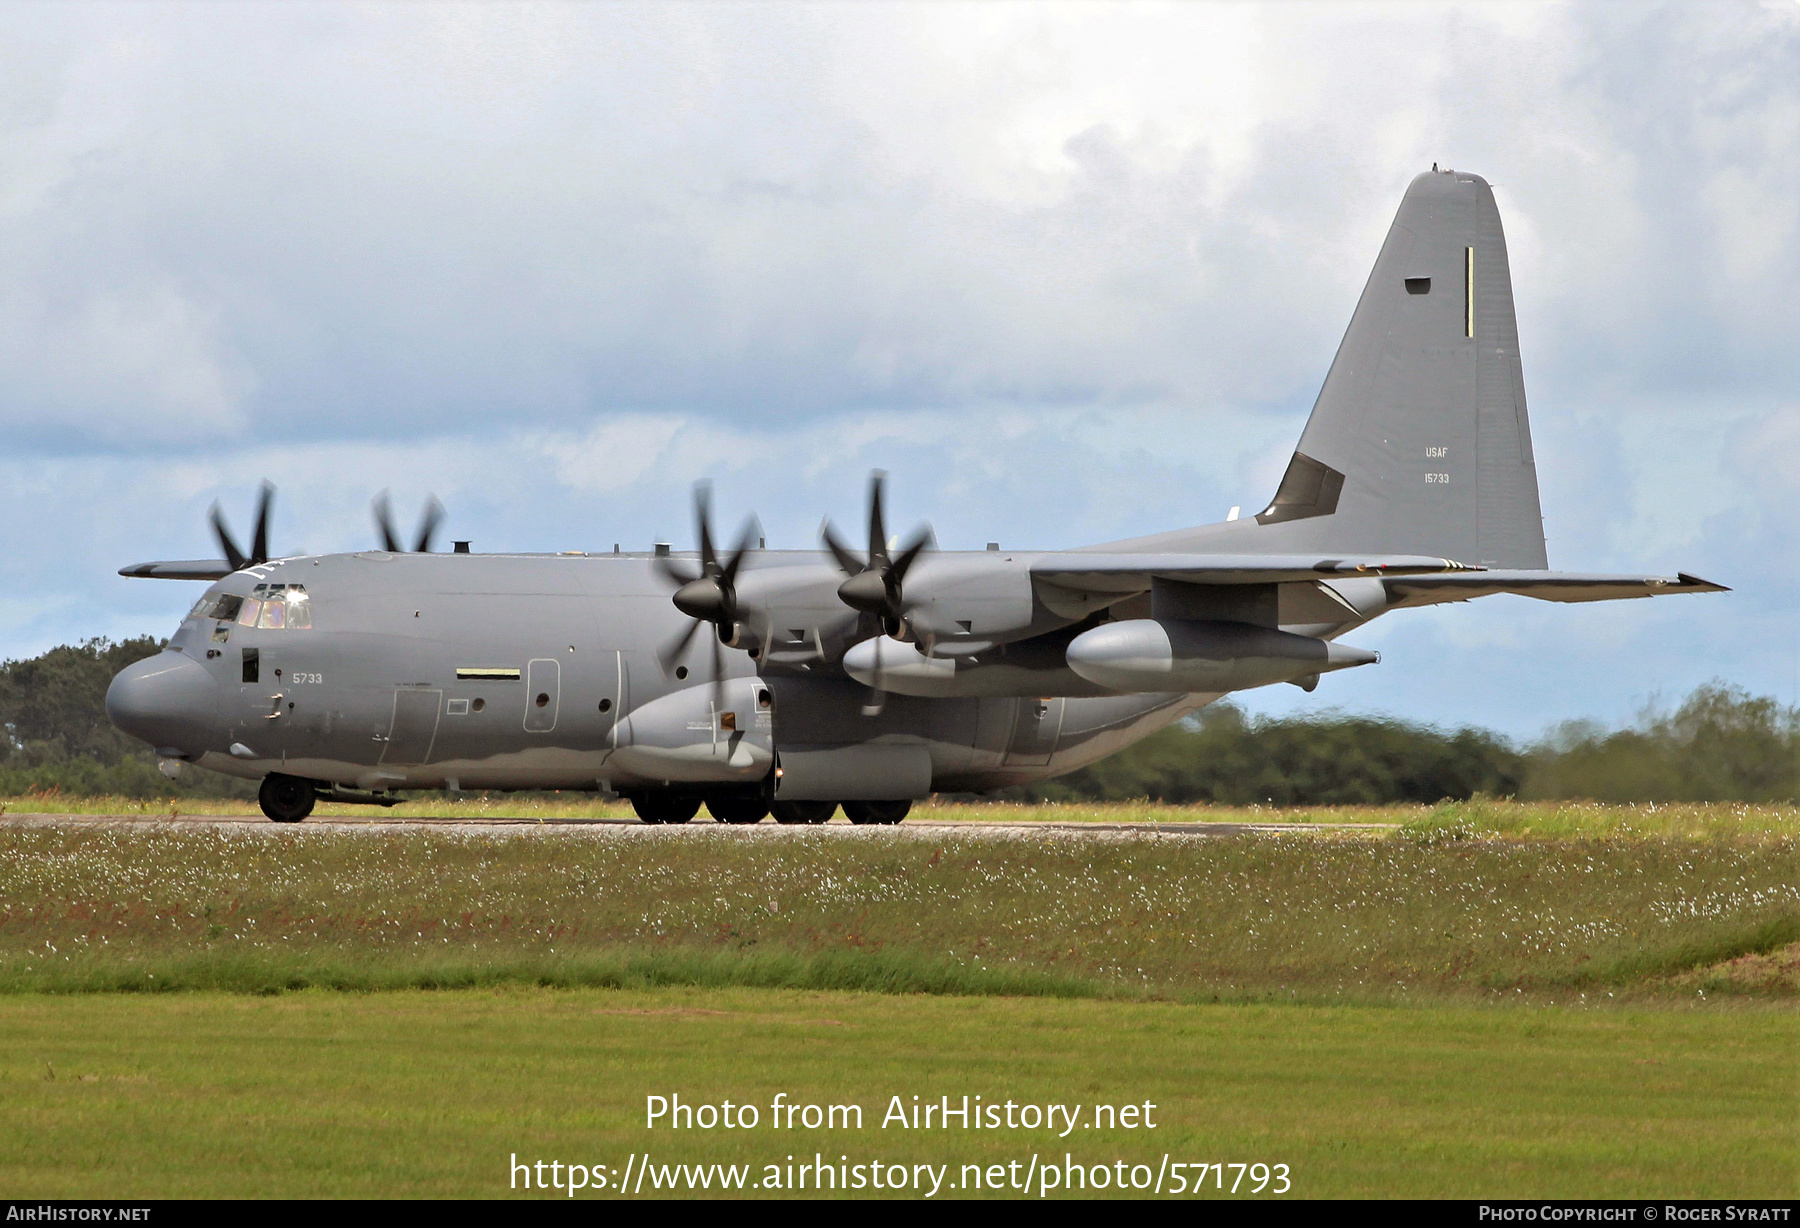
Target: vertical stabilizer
{"type": "Point", "coordinates": [1419, 441]}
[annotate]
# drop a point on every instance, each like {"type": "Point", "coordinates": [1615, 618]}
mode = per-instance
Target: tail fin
{"type": "Point", "coordinates": [1419, 442]}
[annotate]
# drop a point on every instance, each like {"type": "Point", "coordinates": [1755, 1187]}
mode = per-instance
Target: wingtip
{"type": "Point", "coordinates": [1699, 585]}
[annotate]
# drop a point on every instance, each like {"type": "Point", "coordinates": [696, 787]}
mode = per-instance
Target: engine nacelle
{"type": "Point", "coordinates": [1031, 668]}
{"type": "Point", "coordinates": [1176, 655]}
{"type": "Point", "coordinates": [703, 733]}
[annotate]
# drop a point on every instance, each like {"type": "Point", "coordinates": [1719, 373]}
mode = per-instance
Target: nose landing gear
{"type": "Point", "coordinates": [285, 799]}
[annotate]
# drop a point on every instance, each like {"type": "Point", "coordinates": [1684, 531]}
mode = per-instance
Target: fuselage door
{"type": "Point", "coordinates": [415, 725]}
{"type": "Point", "coordinates": [543, 694]}
{"type": "Point", "coordinates": [1035, 730]}
{"type": "Point", "coordinates": [261, 716]}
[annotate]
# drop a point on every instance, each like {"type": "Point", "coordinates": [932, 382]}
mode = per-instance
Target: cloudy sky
{"type": "Point", "coordinates": [1069, 273]}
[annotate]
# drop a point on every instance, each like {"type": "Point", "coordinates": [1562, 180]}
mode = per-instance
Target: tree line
{"type": "Point", "coordinates": [1720, 744]}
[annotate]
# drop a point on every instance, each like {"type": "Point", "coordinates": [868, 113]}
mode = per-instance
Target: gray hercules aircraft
{"type": "Point", "coordinates": [867, 680]}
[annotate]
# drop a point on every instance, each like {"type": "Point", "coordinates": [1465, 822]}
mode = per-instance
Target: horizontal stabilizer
{"type": "Point", "coordinates": [1132, 573]}
{"type": "Point", "coordinates": [1543, 585]}
{"type": "Point", "coordinates": [179, 569]}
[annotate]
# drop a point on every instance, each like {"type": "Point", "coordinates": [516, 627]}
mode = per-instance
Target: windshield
{"type": "Point", "coordinates": [273, 607]}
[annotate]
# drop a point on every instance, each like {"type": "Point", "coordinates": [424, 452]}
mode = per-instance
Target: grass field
{"type": "Point", "coordinates": [1425, 911]}
{"type": "Point", "coordinates": [415, 1093]}
{"type": "Point", "coordinates": [1477, 999]}
{"type": "Point", "coordinates": [1481, 816]}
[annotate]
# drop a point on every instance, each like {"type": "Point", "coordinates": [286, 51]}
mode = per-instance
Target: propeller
{"type": "Point", "coordinates": [875, 585]}
{"type": "Point", "coordinates": [428, 524]}
{"type": "Point", "coordinates": [709, 596]}
{"type": "Point", "coordinates": [259, 542]}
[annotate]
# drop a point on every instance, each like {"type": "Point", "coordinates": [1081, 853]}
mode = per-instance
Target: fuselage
{"type": "Point", "coordinates": [387, 671]}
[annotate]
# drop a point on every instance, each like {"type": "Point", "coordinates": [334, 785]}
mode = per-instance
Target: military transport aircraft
{"type": "Point", "coordinates": [867, 680]}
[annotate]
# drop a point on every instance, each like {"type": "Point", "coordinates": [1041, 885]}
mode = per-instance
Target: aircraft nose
{"type": "Point", "coordinates": [168, 700]}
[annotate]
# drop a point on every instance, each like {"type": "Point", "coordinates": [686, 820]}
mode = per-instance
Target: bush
{"type": "Point", "coordinates": [1223, 757]}
{"type": "Point", "coordinates": [1722, 744]}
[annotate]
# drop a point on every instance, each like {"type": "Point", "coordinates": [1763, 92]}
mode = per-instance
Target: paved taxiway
{"type": "Point", "coordinates": [936, 828]}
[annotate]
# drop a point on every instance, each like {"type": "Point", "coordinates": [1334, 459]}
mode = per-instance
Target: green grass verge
{"type": "Point", "coordinates": [1446, 821]}
{"type": "Point", "coordinates": [1669, 961]}
{"type": "Point", "coordinates": [430, 1094]}
{"type": "Point", "coordinates": [1308, 918]}
{"type": "Point", "coordinates": [262, 972]}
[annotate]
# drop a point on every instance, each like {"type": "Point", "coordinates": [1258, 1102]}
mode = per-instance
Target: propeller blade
{"type": "Point", "coordinates": [673, 571]}
{"type": "Point", "coordinates": [728, 576]}
{"type": "Point", "coordinates": [233, 555]}
{"type": "Point", "coordinates": [259, 544]}
{"type": "Point", "coordinates": [878, 551]}
{"type": "Point", "coordinates": [846, 558]}
{"type": "Point", "coordinates": [670, 654]}
{"type": "Point", "coordinates": [897, 570]}
{"type": "Point", "coordinates": [709, 559]}
{"type": "Point", "coordinates": [718, 683]}
{"type": "Point", "coordinates": [384, 523]}
{"type": "Point", "coordinates": [434, 515]}
{"type": "Point", "coordinates": [875, 703]}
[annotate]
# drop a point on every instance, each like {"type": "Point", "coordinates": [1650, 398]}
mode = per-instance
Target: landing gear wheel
{"type": "Point", "coordinates": [877, 812]}
{"type": "Point", "coordinates": [662, 808]}
{"type": "Point", "coordinates": [737, 809]}
{"type": "Point", "coordinates": [285, 799]}
{"type": "Point", "coordinates": [803, 812]}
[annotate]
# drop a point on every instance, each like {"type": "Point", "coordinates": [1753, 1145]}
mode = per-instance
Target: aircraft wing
{"type": "Point", "coordinates": [179, 569]}
{"type": "Point", "coordinates": [1543, 585]}
{"type": "Point", "coordinates": [1132, 573]}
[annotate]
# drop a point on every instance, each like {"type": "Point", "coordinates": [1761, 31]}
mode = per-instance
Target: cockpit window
{"type": "Point", "coordinates": [275, 607]}
{"type": "Point", "coordinates": [299, 609]}
{"type": "Point", "coordinates": [225, 607]}
{"type": "Point", "coordinates": [201, 607]}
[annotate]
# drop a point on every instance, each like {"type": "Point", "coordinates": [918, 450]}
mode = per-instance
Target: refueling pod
{"type": "Point", "coordinates": [1147, 654]}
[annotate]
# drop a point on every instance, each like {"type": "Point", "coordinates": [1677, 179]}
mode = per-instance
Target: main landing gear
{"type": "Point", "coordinates": [804, 812]}
{"type": "Point", "coordinates": [737, 809]}
{"type": "Point", "coordinates": [876, 812]}
{"type": "Point", "coordinates": [286, 799]}
{"type": "Point", "coordinates": [670, 808]}
{"type": "Point", "coordinates": [664, 807]}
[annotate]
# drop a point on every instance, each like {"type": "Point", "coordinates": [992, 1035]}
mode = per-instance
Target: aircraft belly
{"type": "Point", "coordinates": [1089, 730]}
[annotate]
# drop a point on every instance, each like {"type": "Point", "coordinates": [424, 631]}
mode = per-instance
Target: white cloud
{"type": "Point", "coordinates": [1070, 272]}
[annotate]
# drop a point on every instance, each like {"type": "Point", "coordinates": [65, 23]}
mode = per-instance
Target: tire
{"type": "Point", "coordinates": [737, 809]}
{"type": "Point", "coordinates": [803, 812]}
{"type": "Point", "coordinates": [664, 808]}
{"type": "Point", "coordinates": [285, 799]}
{"type": "Point", "coordinates": [877, 812]}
